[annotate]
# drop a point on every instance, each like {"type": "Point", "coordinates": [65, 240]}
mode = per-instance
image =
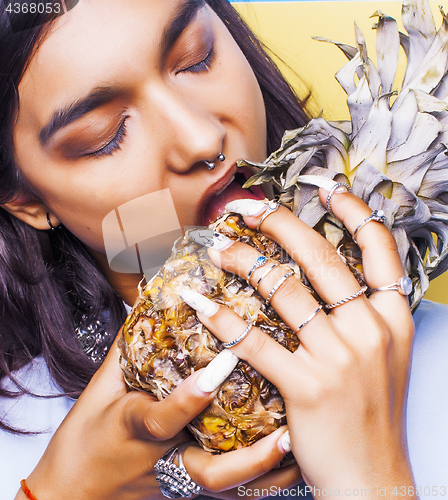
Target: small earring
{"type": "Point", "coordinates": [211, 164]}
{"type": "Point", "coordinates": [52, 228]}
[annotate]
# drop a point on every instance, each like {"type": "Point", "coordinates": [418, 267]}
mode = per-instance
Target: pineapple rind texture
{"type": "Point", "coordinates": [392, 152]}
{"type": "Point", "coordinates": [163, 342]}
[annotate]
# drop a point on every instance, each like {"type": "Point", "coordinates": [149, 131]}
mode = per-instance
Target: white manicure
{"type": "Point", "coordinates": [221, 242]}
{"type": "Point", "coordinates": [319, 181]}
{"type": "Point", "coordinates": [199, 303]}
{"type": "Point", "coordinates": [219, 368]}
{"type": "Point", "coordinates": [247, 207]}
{"type": "Point", "coordinates": [285, 442]}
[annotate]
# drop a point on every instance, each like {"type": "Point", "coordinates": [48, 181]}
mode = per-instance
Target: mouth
{"type": "Point", "coordinates": [233, 190]}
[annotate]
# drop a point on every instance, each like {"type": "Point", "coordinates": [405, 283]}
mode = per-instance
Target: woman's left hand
{"type": "Point", "coordinates": [345, 387]}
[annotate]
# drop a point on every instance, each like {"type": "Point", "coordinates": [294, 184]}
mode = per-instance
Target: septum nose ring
{"type": "Point", "coordinates": [211, 164]}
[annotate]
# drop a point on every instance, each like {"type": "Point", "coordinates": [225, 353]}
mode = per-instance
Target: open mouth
{"type": "Point", "coordinates": [233, 191]}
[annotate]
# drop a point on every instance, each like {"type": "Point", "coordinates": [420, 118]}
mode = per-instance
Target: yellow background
{"type": "Point", "coordinates": [287, 27]}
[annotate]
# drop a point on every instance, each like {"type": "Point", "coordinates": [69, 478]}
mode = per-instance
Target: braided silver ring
{"type": "Point", "coordinates": [228, 345]}
{"type": "Point", "coordinates": [376, 215]}
{"type": "Point", "coordinates": [331, 193]}
{"type": "Point", "coordinates": [174, 481]}
{"type": "Point", "coordinates": [273, 206]}
{"type": "Point", "coordinates": [347, 299]}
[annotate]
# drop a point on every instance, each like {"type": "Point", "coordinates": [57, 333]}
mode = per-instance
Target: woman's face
{"type": "Point", "coordinates": [123, 99]}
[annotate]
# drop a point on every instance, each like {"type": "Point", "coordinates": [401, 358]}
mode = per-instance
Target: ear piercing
{"type": "Point", "coordinates": [52, 228]}
{"type": "Point", "coordinates": [211, 164]}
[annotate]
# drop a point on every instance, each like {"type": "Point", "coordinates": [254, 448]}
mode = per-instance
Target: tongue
{"type": "Point", "coordinates": [216, 205]}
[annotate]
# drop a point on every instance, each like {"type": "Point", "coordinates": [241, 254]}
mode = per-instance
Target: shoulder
{"type": "Point", "coordinates": [427, 409]}
{"type": "Point", "coordinates": [29, 413]}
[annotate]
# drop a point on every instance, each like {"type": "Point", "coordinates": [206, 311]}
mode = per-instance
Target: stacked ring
{"type": "Point", "coordinates": [260, 262]}
{"type": "Point", "coordinates": [311, 316]}
{"type": "Point", "coordinates": [277, 286]}
{"type": "Point", "coordinates": [263, 276]}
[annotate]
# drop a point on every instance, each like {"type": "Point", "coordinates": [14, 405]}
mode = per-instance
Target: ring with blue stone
{"type": "Point", "coordinates": [260, 262]}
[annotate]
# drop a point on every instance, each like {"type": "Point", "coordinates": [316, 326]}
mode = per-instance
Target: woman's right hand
{"type": "Point", "coordinates": [109, 442]}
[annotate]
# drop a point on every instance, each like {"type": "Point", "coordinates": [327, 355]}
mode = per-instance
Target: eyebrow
{"type": "Point", "coordinates": [101, 96]}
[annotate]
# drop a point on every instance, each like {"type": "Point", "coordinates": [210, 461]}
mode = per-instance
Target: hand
{"type": "Point", "coordinates": [110, 441]}
{"type": "Point", "coordinates": [345, 387]}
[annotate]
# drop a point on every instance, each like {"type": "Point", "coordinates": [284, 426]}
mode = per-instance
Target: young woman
{"type": "Point", "coordinates": [105, 104]}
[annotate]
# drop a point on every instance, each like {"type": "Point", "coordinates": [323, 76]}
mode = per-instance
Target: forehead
{"type": "Point", "coordinates": [99, 42]}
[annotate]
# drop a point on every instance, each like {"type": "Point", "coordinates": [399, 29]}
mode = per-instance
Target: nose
{"type": "Point", "coordinates": [193, 131]}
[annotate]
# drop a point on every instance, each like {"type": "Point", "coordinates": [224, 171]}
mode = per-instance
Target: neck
{"type": "Point", "coordinates": [124, 284]}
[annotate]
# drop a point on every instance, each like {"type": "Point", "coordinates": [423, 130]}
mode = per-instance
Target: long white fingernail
{"type": "Point", "coordinates": [199, 303]}
{"type": "Point", "coordinates": [247, 207]}
{"type": "Point", "coordinates": [319, 181]}
{"type": "Point", "coordinates": [211, 239]}
{"type": "Point", "coordinates": [219, 368]}
{"type": "Point", "coordinates": [285, 442]}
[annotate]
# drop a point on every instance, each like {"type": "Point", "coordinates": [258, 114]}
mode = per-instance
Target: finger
{"type": "Point", "coordinates": [380, 258]}
{"type": "Point", "coordinates": [160, 420]}
{"type": "Point", "coordinates": [292, 301]}
{"type": "Point", "coordinates": [327, 273]}
{"type": "Point", "coordinates": [228, 470]}
{"type": "Point", "coordinates": [265, 354]}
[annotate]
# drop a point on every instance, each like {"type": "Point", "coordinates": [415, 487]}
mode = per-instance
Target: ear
{"type": "Point", "coordinates": [31, 211]}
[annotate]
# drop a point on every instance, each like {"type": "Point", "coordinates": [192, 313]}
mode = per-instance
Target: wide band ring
{"type": "Point", "coordinates": [273, 206]}
{"type": "Point", "coordinates": [403, 286]}
{"type": "Point", "coordinates": [376, 215]}
{"type": "Point", "coordinates": [331, 193]}
{"type": "Point", "coordinates": [174, 481]}
{"type": "Point", "coordinates": [228, 345]}
{"type": "Point", "coordinates": [260, 262]}
{"type": "Point", "coordinates": [263, 276]}
{"type": "Point", "coordinates": [311, 316]}
{"type": "Point", "coordinates": [347, 299]}
{"type": "Point", "coordinates": [277, 286]}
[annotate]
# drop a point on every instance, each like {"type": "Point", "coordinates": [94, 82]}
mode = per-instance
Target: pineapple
{"type": "Point", "coordinates": [392, 153]}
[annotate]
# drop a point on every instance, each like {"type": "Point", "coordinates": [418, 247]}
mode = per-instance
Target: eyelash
{"type": "Point", "coordinates": [203, 65]}
{"type": "Point", "coordinates": [114, 144]}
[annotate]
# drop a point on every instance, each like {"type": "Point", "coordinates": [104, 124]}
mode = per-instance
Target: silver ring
{"type": "Point", "coordinates": [279, 283]}
{"type": "Point", "coordinates": [312, 316]}
{"type": "Point", "coordinates": [174, 481]}
{"type": "Point", "coordinates": [331, 193]}
{"type": "Point", "coordinates": [263, 276]}
{"type": "Point", "coordinates": [273, 206]}
{"type": "Point", "coordinates": [260, 262]}
{"type": "Point", "coordinates": [403, 286]}
{"type": "Point", "coordinates": [348, 299]}
{"type": "Point", "coordinates": [228, 345]}
{"type": "Point", "coordinates": [376, 215]}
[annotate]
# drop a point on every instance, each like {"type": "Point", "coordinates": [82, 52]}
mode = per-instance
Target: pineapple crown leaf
{"type": "Point", "coordinates": [393, 150]}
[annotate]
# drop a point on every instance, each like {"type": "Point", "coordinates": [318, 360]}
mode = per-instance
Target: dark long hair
{"type": "Point", "coordinates": [47, 279]}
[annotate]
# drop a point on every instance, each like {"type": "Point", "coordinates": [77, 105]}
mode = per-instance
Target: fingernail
{"type": "Point", "coordinates": [211, 239]}
{"type": "Point", "coordinates": [219, 368]}
{"type": "Point", "coordinates": [247, 207]}
{"type": "Point", "coordinates": [199, 303]}
{"type": "Point", "coordinates": [319, 181]}
{"type": "Point", "coordinates": [285, 442]}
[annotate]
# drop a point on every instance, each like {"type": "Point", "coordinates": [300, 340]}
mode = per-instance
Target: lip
{"type": "Point", "coordinates": [217, 187]}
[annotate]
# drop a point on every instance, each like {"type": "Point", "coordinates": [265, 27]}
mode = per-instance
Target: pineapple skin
{"type": "Point", "coordinates": [163, 342]}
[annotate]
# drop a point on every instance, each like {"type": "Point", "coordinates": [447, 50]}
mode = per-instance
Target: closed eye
{"type": "Point", "coordinates": [201, 66]}
{"type": "Point", "coordinates": [114, 144]}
